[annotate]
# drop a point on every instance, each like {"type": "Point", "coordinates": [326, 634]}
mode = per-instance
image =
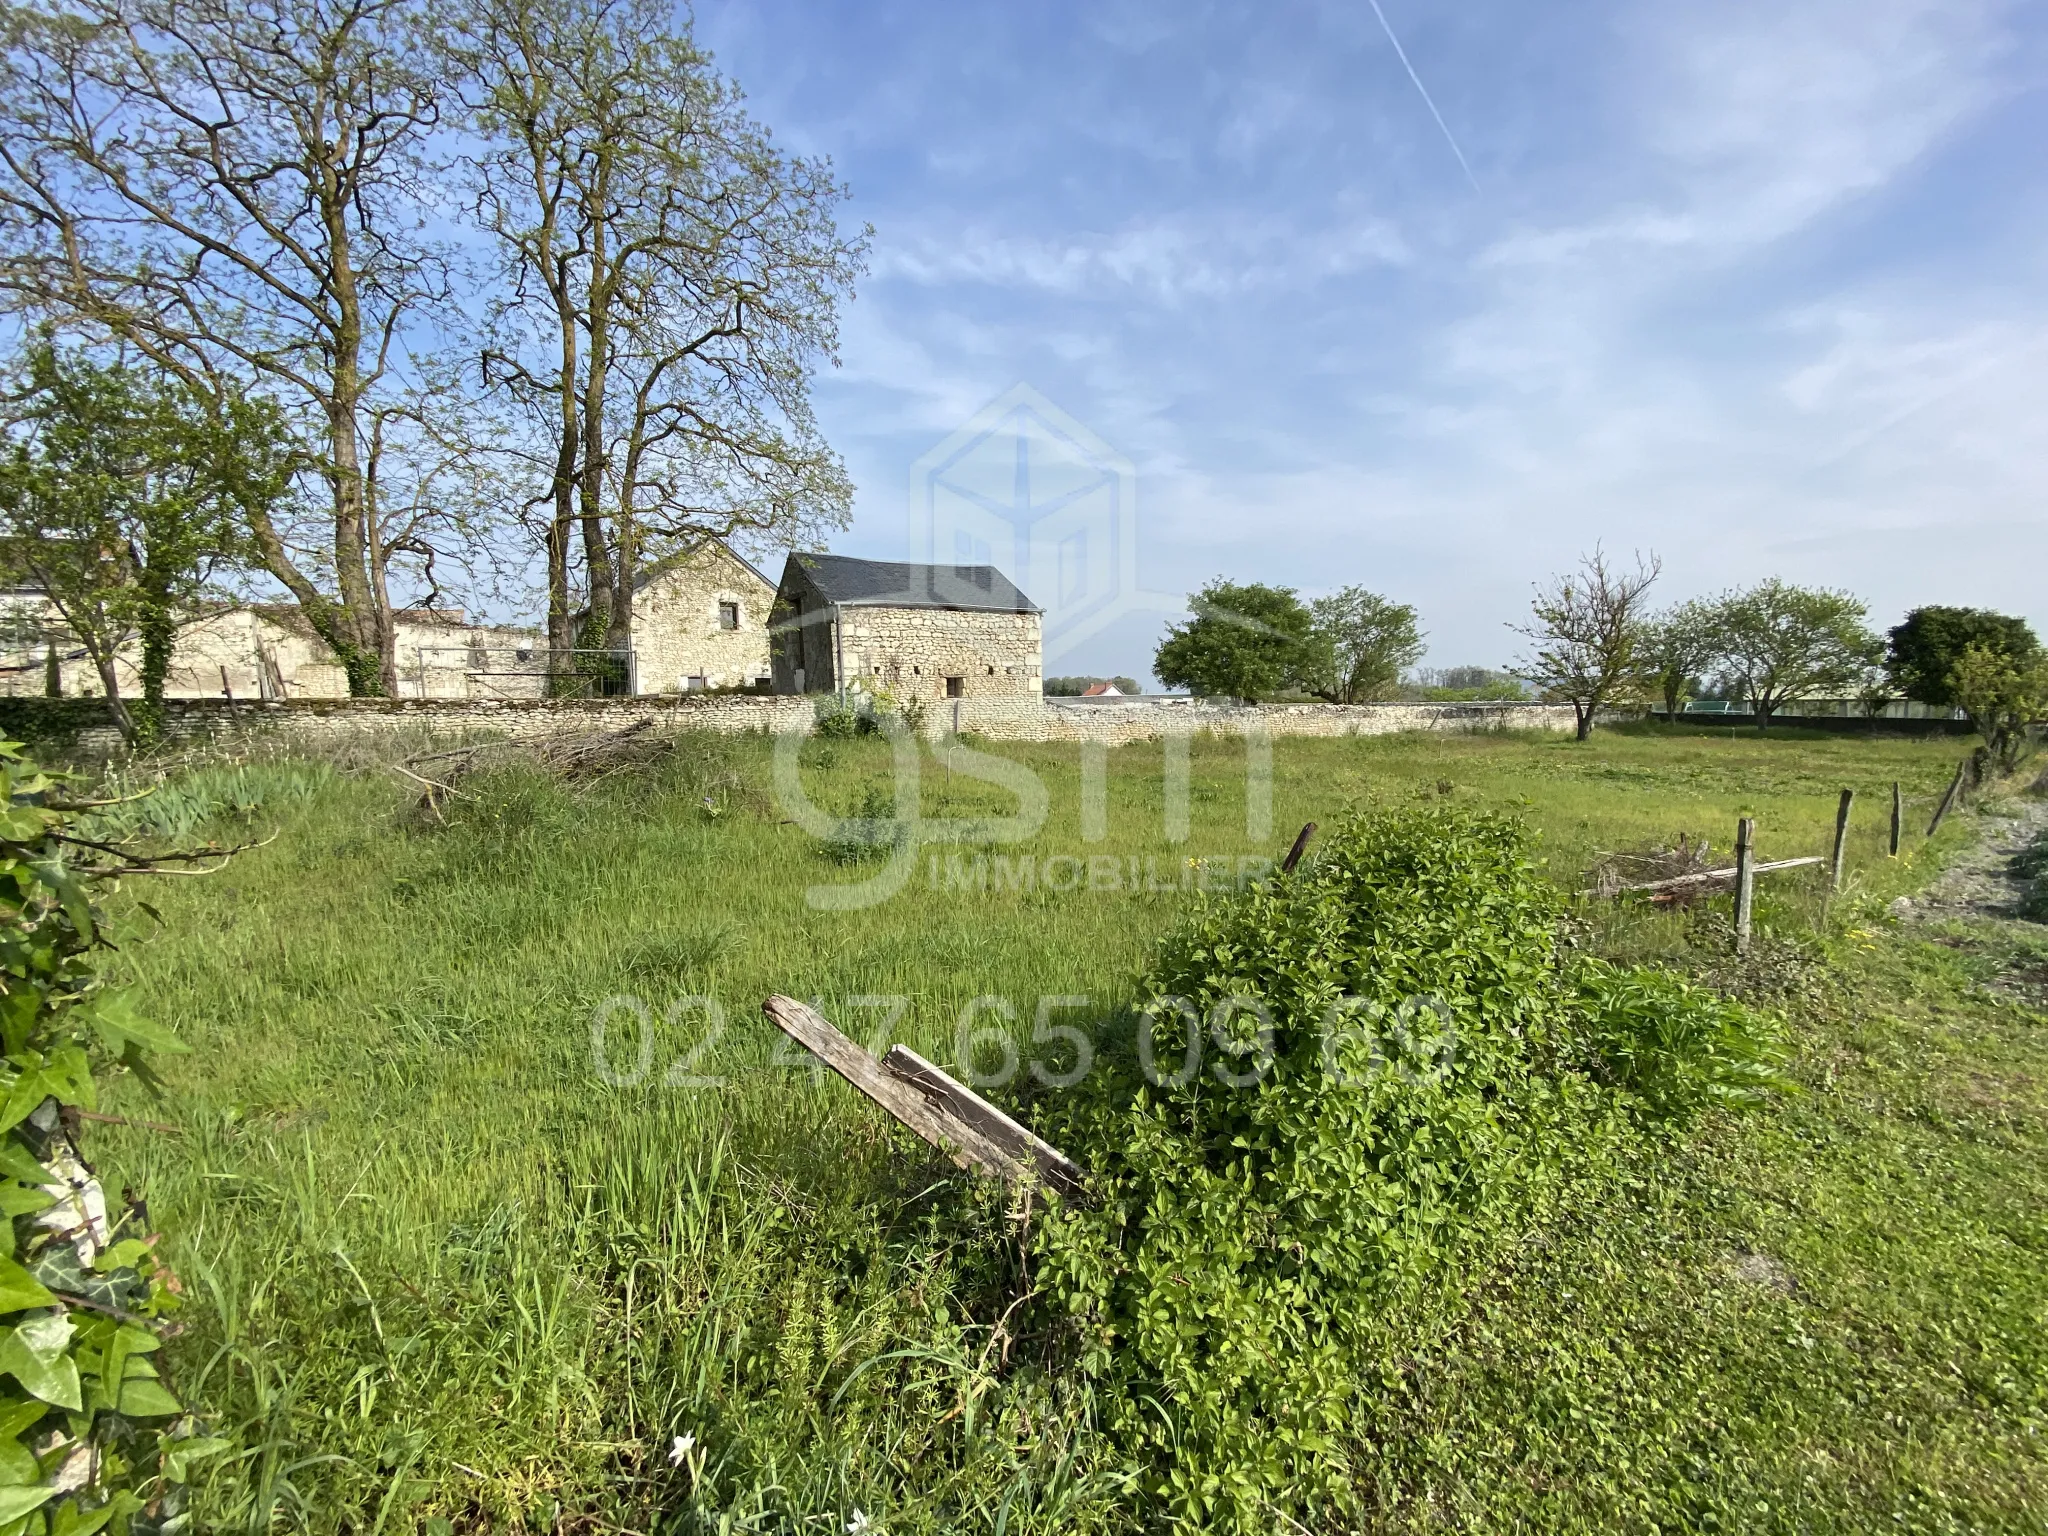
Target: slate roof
{"type": "Point", "coordinates": [853, 582]}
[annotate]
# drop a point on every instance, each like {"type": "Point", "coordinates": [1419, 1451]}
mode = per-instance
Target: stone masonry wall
{"type": "Point", "coordinates": [317, 723]}
{"type": "Point", "coordinates": [675, 624]}
{"type": "Point", "coordinates": [912, 651]}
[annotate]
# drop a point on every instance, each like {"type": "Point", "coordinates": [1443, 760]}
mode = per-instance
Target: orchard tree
{"type": "Point", "coordinates": [121, 491]}
{"type": "Point", "coordinates": [1588, 633]}
{"type": "Point", "coordinates": [1246, 641]}
{"type": "Point", "coordinates": [1362, 643]}
{"type": "Point", "coordinates": [2003, 694]}
{"type": "Point", "coordinates": [1679, 647]}
{"type": "Point", "coordinates": [1923, 653]}
{"type": "Point", "coordinates": [1780, 642]}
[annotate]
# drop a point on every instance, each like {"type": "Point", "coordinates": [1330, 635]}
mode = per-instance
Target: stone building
{"type": "Point", "coordinates": [700, 620]}
{"type": "Point", "coordinates": [269, 651]}
{"type": "Point", "coordinates": [916, 631]}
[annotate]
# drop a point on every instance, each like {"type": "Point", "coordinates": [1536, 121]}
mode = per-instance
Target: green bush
{"type": "Point", "coordinates": [1677, 1047]}
{"type": "Point", "coordinates": [89, 1433]}
{"type": "Point", "coordinates": [1422, 1064]}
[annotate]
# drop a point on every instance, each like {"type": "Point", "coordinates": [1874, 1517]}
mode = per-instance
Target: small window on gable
{"type": "Point", "coordinates": [956, 687]}
{"type": "Point", "coordinates": [728, 615]}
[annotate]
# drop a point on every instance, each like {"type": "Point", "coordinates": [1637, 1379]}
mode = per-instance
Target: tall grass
{"type": "Point", "coordinates": [452, 1266]}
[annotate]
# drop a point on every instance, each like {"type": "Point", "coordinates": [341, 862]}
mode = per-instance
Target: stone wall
{"type": "Point", "coordinates": [676, 634]}
{"type": "Point", "coordinates": [913, 652]}
{"type": "Point", "coordinates": [78, 724]}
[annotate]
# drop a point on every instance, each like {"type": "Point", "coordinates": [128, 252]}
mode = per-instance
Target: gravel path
{"type": "Point", "coordinates": [1981, 882]}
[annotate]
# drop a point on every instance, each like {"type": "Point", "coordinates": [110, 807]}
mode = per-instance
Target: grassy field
{"type": "Point", "coordinates": [457, 1265]}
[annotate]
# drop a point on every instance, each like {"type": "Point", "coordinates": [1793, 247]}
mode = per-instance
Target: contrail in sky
{"type": "Point", "coordinates": [1402, 54]}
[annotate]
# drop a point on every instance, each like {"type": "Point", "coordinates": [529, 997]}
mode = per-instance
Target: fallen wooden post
{"type": "Point", "coordinates": [949, 1115]}
{"type": "Point", "coordinates": [964, 1104]}
{"type": "Point", "coordinates": [1678, 883]}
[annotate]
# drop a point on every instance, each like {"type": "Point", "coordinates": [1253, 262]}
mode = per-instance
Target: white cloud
{"type": "Point", "coordinates": [1165, 263]}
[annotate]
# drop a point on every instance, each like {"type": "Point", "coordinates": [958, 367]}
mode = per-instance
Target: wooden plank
{"type": "Point", "coordinates": [1745, 880]}
{"type": "Point", "coordinates": [959, 1141]}
{"type": "Point", "coordinates": [1841, 840]}
{"type": "Point", "coordinates": [965, 1104]}
{"type": "Point", "coordinates": [1714, 876]}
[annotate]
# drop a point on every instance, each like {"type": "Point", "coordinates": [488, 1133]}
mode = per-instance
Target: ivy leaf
{"type": "Point", "coordinates": [29, 1090]}
{"type": "Point", "coordinates": [142, 1398]}
{"type": "Point", "coordinates": [72, 1521]}
{"type": "Point", "coordinates": [59, 1268]}
{"type": "Point", "coordinates": [34, 1354]}
{"type": "Point", "coordinates": [114, 1014]}
{"type": "Point", "coordinates": [17, 1160]}
{"type": "Point", "coordinates": [76, 907]}
{"type": "Point", "coordinates": [19, 1290]}
{"type": "Point", "coordinates": [21, 1200]}
{"type": "Point", "coordinates": [18, 1467]}
{"type": "Point", "coordinates": [127, 1347]}
{"type": "Point", "coordinates": [17, 1502]}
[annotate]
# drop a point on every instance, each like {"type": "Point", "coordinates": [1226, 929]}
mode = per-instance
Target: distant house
{"type": "Point", "coordinates": [1102, 691]}
{"type": "Point", "coordinates": [700, 620]}
{"type": "Point", "coordinates": [266, 651]}
{"type": "Point", "coordinates": [918, 631]}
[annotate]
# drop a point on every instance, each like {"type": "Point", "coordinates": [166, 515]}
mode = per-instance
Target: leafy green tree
{"type": "Point", "coordinates": [1589, 630]}
{"type": "Point", "coordinates": [2002, 694]}
{"type": "Point", "coordinates": [247, 192]}
{"type": "Point", "coordinates": [1362, 642]}
{"type": "Point", "coordinates": [1780, 642]}
{"type": "Point", "coordinates": [121, 493]}
{"type": "Point", "coordinates": [1679, 647]}
{"type": "Point", "coordinates": [1246, 641]}
{"type": "Point", "coordinates": [1922, 653]}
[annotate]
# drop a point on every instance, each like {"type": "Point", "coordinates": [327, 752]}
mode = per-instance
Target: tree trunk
{"type": "Point", "coordinates": [370, 660]}
{"type": "Point", "coordinates": [1582, 716]}
{"type": "Point", "coordinates": [103, 661]}
{"type": "Point", "coordinates": [159, 630]}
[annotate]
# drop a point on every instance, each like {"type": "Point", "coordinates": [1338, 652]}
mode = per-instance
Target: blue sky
{"type": "Point", "coordinates": [1759, 287]}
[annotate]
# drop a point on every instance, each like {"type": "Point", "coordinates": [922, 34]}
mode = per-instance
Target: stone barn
{"type": "Point", "coordinates": [918, 631]}
{"type": "Point", "coordinates": [700, 620]}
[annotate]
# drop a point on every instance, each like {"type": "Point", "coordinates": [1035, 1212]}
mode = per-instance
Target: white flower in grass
{"type": "Point", "coordinates": [679, 1451]}
{"type": "Point", "coordinates": [861, 1525]}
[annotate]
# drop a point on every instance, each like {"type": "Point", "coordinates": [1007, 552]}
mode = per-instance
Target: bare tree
{"type": "Point", "coordinates": [237, 188]}
{"type": "Point", "coordinates": [1589, 633]}
{"type": "Point", "coordinates": [671, 281]}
